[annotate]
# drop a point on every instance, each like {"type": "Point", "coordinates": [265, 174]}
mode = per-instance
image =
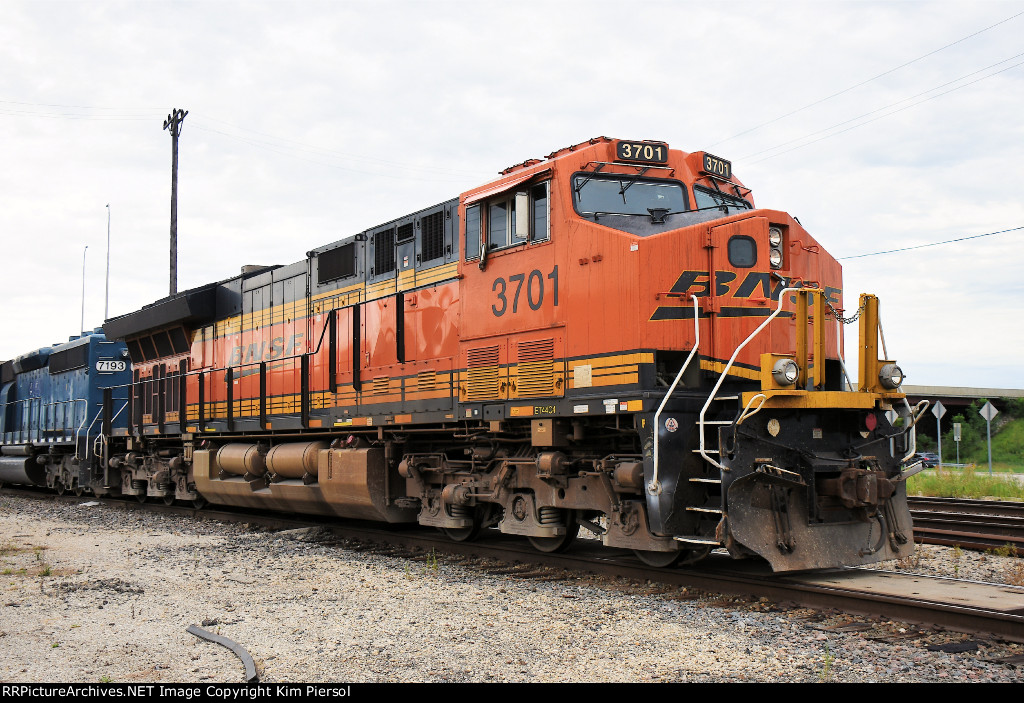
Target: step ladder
{"type": "Point", "coordinates": [705, 425]}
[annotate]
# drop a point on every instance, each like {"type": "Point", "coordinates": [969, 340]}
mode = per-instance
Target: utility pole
{"type": "Point", "coordinates": [83, 288]}
{"type": "Point", "coordinates": [106, 299]}
{"type": "Point", "coordinates": [173, 124]}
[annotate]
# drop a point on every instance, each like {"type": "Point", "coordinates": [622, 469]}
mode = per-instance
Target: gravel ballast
{"type": "Point", "coordinates": [100, 594]}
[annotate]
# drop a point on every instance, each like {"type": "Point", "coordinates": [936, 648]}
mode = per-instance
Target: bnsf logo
{"type": "Point", "coordinates": [728, 284]}
{"type": "Point", "coordinates": [730, 288]}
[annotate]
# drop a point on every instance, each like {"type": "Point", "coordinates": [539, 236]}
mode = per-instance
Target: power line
{"type": "Point", "coordinates": [886, 107]}
{"type": "Point", "coordinates": [285, 150]}
{"type": "Point", "coordinates": [402, 175]}
{"type": "Point", "coordinates": [283, 142]}
{"type": "Point", "coordinates": [933, 244]}
{"type": "Point", "coordinates": [278, 145]}
{"type": "Point", "coordinates": [865, 82]}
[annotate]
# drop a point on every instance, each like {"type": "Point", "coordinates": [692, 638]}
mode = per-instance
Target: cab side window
{"type": "Point", "coordinates": [498, 226]}
{"type": "Point", "coordinates": [514, 218]}
{"type": "Point", "coordinates": [518, 217]}
{"type": "Point", "coordinates": [540, 229]}
{"type": "Point", "coordinates": [472, 232]}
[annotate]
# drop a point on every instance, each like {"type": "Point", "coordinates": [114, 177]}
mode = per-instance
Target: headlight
{"type": "Point", "coordinates": [890, 376]}
{"type": "Point", "coordinates": [775, 258]}
{"type": "Point", "coordinates": [775, 236]}
{"type": "Point", "coordinates": [785, 372]}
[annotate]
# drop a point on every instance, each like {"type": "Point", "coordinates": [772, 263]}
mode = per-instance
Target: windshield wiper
{"type": "Point", "coordinates": [657, 214]}
{"type": "Point", "coordinates": [623, 189]}
{"type": "Point", "coordinates": [721, 206]}
{"type": "Point", "coordinates": [586, 180]}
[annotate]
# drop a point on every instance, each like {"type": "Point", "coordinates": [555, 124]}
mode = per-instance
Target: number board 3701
{"type": "Point", "coordinates": [717, 166]}
{"type": "Point", "coordinates": [647, 152]}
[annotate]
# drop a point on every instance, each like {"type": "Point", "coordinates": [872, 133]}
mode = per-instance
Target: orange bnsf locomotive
{"type": "Point", "coordinates": [613, 338]}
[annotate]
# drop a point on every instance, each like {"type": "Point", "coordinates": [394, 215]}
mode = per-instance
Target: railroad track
{"type": "Point", "coordinates": [973, 524]}
{"type": "Point", "coordinates": [988, 609]}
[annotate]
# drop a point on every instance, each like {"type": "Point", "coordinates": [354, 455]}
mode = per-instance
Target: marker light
{"type": "Point", "coordinates": [890, 376]}
{"type": "Point", "coordinates": [785, 372]}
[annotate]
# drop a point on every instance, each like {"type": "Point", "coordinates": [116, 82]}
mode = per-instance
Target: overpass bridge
{"type": "Point", "coordinates": [956, 398]}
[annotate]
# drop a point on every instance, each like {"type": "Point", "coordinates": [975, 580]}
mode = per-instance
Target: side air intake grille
{"type": "Point", "coordinates": [482, 374]}
{"type": "Point", "coordinates": [536, 368]}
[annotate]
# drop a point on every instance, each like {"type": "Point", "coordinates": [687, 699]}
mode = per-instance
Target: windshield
{"type": "Point", "coordinates": [625, 195]}
{"type": "Point", "coordinates": [707, 198]}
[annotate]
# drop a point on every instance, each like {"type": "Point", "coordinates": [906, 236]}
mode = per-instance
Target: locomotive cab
{"type": "Point", "coordinates": [616, 269]}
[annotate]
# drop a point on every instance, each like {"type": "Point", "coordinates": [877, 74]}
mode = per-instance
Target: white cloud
{"type": "Point", "coordinates": [310, 121]}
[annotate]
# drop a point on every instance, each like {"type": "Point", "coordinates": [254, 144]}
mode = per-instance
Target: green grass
{"type": "Point", "coordinates": [969, 482]}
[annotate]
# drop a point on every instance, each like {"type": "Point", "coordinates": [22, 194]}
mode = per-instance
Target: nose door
{"type": "Point", "coordinates": [739, 292]}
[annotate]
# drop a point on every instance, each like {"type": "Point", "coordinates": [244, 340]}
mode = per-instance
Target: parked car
{"type": "Point", "coordinates": [930, 459]}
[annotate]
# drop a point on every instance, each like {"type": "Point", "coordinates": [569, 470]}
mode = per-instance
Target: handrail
{"type": "Point", "coordinates": [78, 435]}
{"type": "Point", "coordinates": [725, 371]}
{"type": "Point", "coordinates": [209, 370]}
{"type": "Point", "coordinates": [20, 432]}
{"type": "Point", "coordinates": [85, 416]}
{"type": "Point", "coordinates": [99, 413]}
{"type": "Point", "coordinates": [102, 438]}
{"type": "Point", "coordinates": [914, 417]}
{"type": "Point", "coordinates": [747, 412]}
{"type": "Point", "coordinates": [41, 424]}
{"type": "Point", "coordinates": [654, 487]}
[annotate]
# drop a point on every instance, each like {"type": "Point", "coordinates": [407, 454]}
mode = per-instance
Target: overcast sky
{"type": "Point", "coordinates": [881, 126]}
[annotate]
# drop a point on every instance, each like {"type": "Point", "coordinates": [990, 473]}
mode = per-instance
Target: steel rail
{"type": "Point", "coordinates": [846, 589]}
{"type": "Point", "coordinates": [973, 524]}
{"type": "Point", "coordinates": [967, 505]}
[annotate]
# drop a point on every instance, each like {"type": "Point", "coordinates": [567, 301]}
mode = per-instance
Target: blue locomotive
{"type": "Point", "coordinates": [57, 407]}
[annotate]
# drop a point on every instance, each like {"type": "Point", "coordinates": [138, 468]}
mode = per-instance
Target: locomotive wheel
{"type": "Point", "coordinates": [79, 491]}
{"type": "Point", "coordinates": [481, 515]}
{"type": "Point", "coordinates": [199, 503]}
{"type": "Point", "coordinates": [692, 556]}
{"type": "Point", "coordinates": [659, 560]}
{"type": "Point", "coordinates": [169, 499]}
{"type": "Point", "coordinates": [551, 545]}
{"type": "Point", "coordinates": [663, 560]}
{"type": "Point", "coordinates": [59, 486]}
{"type": "Point", "coordinates": [462, 534]}
{"type": "Point", "coordinates": [141, 497]}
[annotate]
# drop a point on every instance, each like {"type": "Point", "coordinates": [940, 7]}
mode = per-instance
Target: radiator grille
{"type": "Point", "coordinates": [536, 368]}
{"type": "Point", "coordinates": [482, 374]}
{"type": "Point", "coordinates": [433, 236]}
{"type": "Point", "coordinates": [384, 251]}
